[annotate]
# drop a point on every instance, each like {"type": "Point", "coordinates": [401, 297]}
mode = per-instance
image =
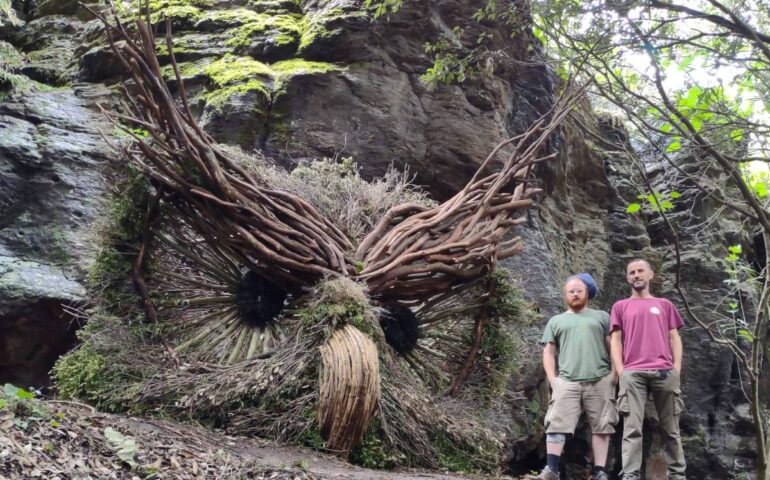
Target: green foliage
{"type": "Point", "coordinates": [86, 374]}
{"type": "Point", "coordinates": [122, 232]}
{"type": "Point", "coordinates": [125, 447]}
{"type": "Point", "coordinates": [23, 405]}
{"type": "Point", "coordinates": [757, 178]}
{"type": "Point", "coordinates": [655, 202]}
{"type": "Point", "coordinates": [508, 301]}
{"type": "Point", "coordinates": [338, 314]}
{"type": "Point", "coordinates": [383, 7]}
{"type": "Point", "coordinates": [450, 63]}
{"type": "Point", "coordinates": [454, 456]}
{"type": "Point", "coordinates": [311, 436]}
{"type": "Point", "coordinates": [375, 451]}
{"type": "Point", "coordinates": [497, 359]}
{"type": "Point", "coordinates": [459, 55]}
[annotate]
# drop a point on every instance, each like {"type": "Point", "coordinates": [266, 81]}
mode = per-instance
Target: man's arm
{"type": "Point", "coordinates": [549, 361]}
{"type": "Point", "coordinates": [676, 348]}
{"type": "Point", "coordinates": [616, 350]}
{"type": "Point", "coordinates": [613, 370]}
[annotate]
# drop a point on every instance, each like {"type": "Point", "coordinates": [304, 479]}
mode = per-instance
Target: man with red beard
{"type": "Point", "coordinates": [647, 352]}
{"type": "Point", "coordinates": [585, 380]}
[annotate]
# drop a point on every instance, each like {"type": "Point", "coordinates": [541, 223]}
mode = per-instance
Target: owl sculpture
{"type": "Point", "coordinates": [313, 306]}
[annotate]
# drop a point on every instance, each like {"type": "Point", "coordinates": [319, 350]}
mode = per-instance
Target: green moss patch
{"type": "Point", "coordinates": [232, 75]}
{"type": "Point", "coordinates": [275, 6]}
{"type": "Point", "coordinates": [229, 18]}
{"type": "Point", "coordinates": [375, 451]}
{"type": "Point", "coordinates": [11, 81]}
{"type": "Point", "coordinates": [298, 66]}
{"type": "Point", "coordinates": [323, 25]}
{"type": "Point", "coordinates": [237, 75]}
{"type": "Point", "coordinates": [183, 14]}
{"type": "Point", "coordinates": [282, 29]}
{"type": "Point", "coordinates": [284, 70]}
{"type": "Point", "coordinates": [187, 70]}
{"type": "Point", "coordinates": [231, 69]}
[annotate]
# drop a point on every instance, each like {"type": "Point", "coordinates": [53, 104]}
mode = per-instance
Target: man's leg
{"type": "Point", "coordinates": [600, 443]}
{"type": "Point", "coordinates": [666, 394]}
{"type": "Point", "coordinates": [631, 398]}
{"type": "Point", "coordinates": [599, 405]}
{"type": "Point", "coordinates": [561, 419]}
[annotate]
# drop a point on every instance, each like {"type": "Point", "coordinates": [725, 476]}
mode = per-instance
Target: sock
{"type": "Point", "coordinates": [597, 469]}
{"type": "Point", "coordinates": [553, 462]}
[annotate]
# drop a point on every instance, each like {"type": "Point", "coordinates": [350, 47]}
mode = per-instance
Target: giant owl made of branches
{"type": "Point", "coordinates": [293, 305]}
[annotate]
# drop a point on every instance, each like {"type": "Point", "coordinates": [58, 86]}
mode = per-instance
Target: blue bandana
{"type": "Point", "coordinates": [586, 278]}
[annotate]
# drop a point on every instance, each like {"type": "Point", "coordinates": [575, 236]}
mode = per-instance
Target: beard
{"type": "Point", "coordinates": [639, 286]}
{"type": "Point", "coordinates": [577, 303]}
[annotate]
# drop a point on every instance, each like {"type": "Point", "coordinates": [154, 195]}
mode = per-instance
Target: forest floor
{"type": "Point", "coordinates": [59, 440]}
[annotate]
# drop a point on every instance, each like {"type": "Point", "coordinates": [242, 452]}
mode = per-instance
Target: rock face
{"type": "Point", "coordinates": [321, 78]}
{"type": "Point", "coordinates": [51, 159]}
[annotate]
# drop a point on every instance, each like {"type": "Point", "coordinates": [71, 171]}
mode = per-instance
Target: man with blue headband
{"type": "Point", "coordinates": [584, 381]}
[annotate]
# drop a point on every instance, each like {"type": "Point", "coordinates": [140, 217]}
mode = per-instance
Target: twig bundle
{"type": "Point", "coordinates": [410, 258]}
{"type": "Point", "coordinates": [349, 388]}
{"type": "Point", "coordinates": [413, 253]}
{"type": "Point", "coordinates": [280, 234]}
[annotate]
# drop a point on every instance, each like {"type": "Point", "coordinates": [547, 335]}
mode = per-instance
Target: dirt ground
{"type": "Point", "coordinates": [64, 440]}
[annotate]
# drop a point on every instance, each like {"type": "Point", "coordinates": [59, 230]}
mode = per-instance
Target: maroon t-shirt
{"type": "Point", "coordinates": [645, 323]}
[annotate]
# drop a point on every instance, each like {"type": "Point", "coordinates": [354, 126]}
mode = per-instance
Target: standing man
{"type": "Point", "coordinates": [585, 382]}
{"type": "Point", "coordinates": [647, 353]}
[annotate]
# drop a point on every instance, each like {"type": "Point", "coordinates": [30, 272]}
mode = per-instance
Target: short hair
{"type": "Point", "coordinates": [640, 260]}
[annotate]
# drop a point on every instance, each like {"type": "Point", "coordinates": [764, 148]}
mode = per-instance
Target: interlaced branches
{"type": "Point", "coordinates": [413, 253]}
{"type": "Point", "coordinates": [461, 239]}
{"type": "Point", "coordinates": [277, 233]}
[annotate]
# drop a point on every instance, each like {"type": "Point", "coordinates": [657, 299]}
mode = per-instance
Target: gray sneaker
{"type": "Point", "coordinates": [600, 476]}
{"type": "Point", "coordinates": [548, 474]}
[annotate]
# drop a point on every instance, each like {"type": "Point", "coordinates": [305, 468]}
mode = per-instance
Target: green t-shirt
{"type": "Point", "coordinates": [580, 337]}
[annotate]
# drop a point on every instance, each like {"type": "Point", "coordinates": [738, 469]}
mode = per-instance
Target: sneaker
{"type": "Point", "coordinates": [548, 474]}
{"type": "Point", "coordinates": [600, 476]}
{"type": "Point", "coordinates": [630, 476]}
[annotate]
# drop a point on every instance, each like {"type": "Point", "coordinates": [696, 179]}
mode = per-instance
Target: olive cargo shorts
{"type": "Point", "coordinates": [570, 399]}
{"type": "Point", "coordinates": [664, 386]}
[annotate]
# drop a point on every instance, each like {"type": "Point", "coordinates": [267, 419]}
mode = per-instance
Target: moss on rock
{"type": "Point", "coordinates": [230, 70]}
{"type": "Point", "coordinates": [232, 75]}
{"type": "Point", "coordinates": [229, 18]}
{"type": "Point", "coordinates": [282, 28]}
{"type": "Point", "coordinates": [11, 81]}
{"type": "Point", "coordinates": [323, 25]}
